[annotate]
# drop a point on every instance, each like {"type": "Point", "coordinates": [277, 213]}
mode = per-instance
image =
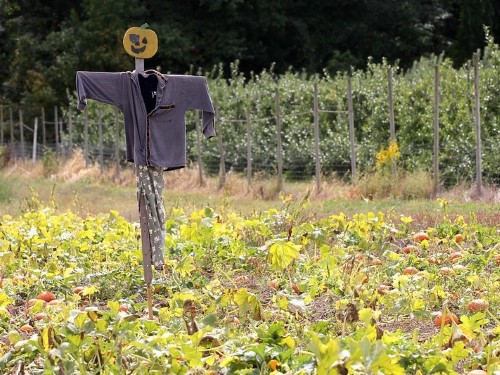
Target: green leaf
{"type": "Point", "coordinates": [114, 307]}
{"type": "Point", "coordinates": [80, 320]}
{"type": "Point", "coordinates": [282, 254]}
{"type": "Point", "coordinates": [5, 300]}
{"type": "Point", "coordinates": [186, 266]}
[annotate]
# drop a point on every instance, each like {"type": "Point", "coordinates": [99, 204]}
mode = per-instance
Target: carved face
{"type": "Point", "coordinates": [140, 43]}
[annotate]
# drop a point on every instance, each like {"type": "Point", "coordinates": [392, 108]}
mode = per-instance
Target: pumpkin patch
{"type": "Point", "coordinates": [257, 294]}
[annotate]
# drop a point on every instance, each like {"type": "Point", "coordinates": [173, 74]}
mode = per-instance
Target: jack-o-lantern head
{"type": "Point", "coordinates": [140, 42]}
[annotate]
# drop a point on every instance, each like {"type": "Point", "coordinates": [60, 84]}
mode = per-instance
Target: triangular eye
{"type": "Point", "coordinates": [144, 40]}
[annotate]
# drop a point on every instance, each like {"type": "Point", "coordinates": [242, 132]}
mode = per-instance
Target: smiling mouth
{"type": "Point", "coordinates": [138, 50]}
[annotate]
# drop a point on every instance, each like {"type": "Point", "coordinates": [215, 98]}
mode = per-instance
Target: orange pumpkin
{"type": "Point", "coordinates": [478, 304]}
{"type": "Point", "coordinates": [447, 319]}
{"type": "Point", "coordinates": [421, 236]}
{"type": "Point", "coordinates": [410, 271]}
{"type": "Point", "coordinates": [46, 296]}
{"type": "Point", "coordinates": [140, 42]}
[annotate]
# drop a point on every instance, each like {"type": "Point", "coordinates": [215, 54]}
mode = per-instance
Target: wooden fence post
{"type": "Point", "coordinates": [392, 126]}
{"type": "Point", "coordinates": [61, 132]}
{"type": "Point", "coordinates": [117, 146]}
{"type": "Point", "coordinates": [70, 131]}
{"type": "Point", "coordinates": [477, 118]}
{"type": "Point", "coordinates": [11, 124]}
{"type": "Point", "coordinates": [435, 160]}
{"type": "Point", "coordinates": [35, 133]}
{"type": "Point", "coordinates": [198, 148]}
{"type": "Point", "coordinates": [222, 164]}
{"type": "Point", "coordinates": [86, 137]}
{"type": "Point", "coordinates": [249, 149]}
{"type": "Point", "coordinates": [316, 138]}
{"type": "Point", "coordinates": [1, 125]}
{"type": "Point", "coordinates": [101, 145]}
{"type": "Point", "coordinates": [56, 128]}
{"type": "Point", "coordinates": [279, 151]}
{"type": "Point", "coordinates": [352, 140]}
{"type": "Point", "coordinates": [44, 135]}
{"type": "Point", "coordinates": [21, 132]}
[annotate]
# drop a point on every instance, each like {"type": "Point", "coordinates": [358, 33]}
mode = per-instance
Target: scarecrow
{"type": "Point", "coordinates": [154, 107]}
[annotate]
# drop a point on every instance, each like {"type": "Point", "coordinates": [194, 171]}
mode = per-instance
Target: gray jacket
{"type": "Point", "coordinates": [154, 107]}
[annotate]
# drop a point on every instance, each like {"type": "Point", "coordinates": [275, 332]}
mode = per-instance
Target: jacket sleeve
{"type": "Point", "coordinates": [197, 96]}
{"type": "Point", "coordinates": [102, 86]}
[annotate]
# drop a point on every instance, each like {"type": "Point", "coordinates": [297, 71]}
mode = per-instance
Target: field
{"type": "Point", "coordinates": [298, 284]}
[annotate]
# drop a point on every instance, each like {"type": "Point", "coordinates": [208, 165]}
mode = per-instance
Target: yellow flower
{"type": "Point", "coordinates": [388, 156]}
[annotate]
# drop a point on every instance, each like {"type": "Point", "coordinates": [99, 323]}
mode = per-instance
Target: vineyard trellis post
{"type": "Point", "coordinates": [198, 147]}
{"type": "Point", "coordinates": [101, 147]}
{"type": "Point", "coordinates": [21, 132]}
{"type": "Point", "coordinates": [218, 130]}
{"type": "Point", "coordinates": [352, 139]}
{"type": "Point", "coordinates": [279, 151]}
{"type": "Point", "coordinates": [249, 149]}
{"type": "Point", "coordinates": [56, 129]}
{"type": "Point", "coordinates": [35, 134]}
{"type": "Point", "coordinates": [477, 121]}
{"type": "Point", "coordinates": [86, 137]}
{"type": "Point", "coordinates": [70, 132]}
{"type": "Point", "coordinates": [44, 134]}
{"type": "Point", "coordinates": [11, 125]}
{"type": "Point", "coordinates": [392, 125]}
{"type": "Point", "coordinates": [435, 158]}
{"type": "Point", "coordinates": [1, 125]}
{"type": "Point", "coordinates": [61, 133]}
{"type": "Point", "coordinates": [316, 137]}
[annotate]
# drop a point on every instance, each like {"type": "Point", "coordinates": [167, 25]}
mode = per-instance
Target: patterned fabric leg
{"type": "Point", "coordinates": [150, 184]}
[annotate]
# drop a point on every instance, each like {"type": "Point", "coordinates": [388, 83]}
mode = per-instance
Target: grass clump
{"type": "Point", "coordinates": [386, 181]}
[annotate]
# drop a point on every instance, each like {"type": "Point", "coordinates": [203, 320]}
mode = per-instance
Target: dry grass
{"type": "Point", "coordinates": [187, 180]}
{"type": "Point", "coordinates": [466, 192]}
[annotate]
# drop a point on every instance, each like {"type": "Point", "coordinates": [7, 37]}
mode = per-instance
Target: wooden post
{"type": "Point", "coordinates": [249, 149]}
{"type": "Point", "coordinates": [86, 138]}
{"type": "Point", "coordinates": [70, 131]}
{"type": "Point", "coordinates": [56, 128]}
{"type": "Point", "coordinates": [101, 146]}
{"type": "Point", "coordinates": [218, 130]}
{"type": "Point", "coordinates": [35, 132]}
{"type": "Point", "coordinates": [1, 125]}
{"type": "Point", "coordinates": [117, 147]}
{"type": "Point", "coordinates": [435, 160]}
{"type": "Point", "coordinates": [352, 141]}
{"type": "Point", "coordinates": [279, 151]}
{"type": "Point", "coordinates": [391, 105]}
{"type": "Point", "coordinates": [392, 125]}
{"type": "Point", "coordinates": [61, 139]}
{"type": "Point", "coordinates": [11, 123]}
{"type": "Point", "coordinates": [139, 65]}
{"type": "Point", "coordinates": [21, 132]}
{"type": "Point", "coordinates": [477, 118]}
{"type": "Point", "coordinates": [44, 135]}
{"type": "Point", "coordinates": [316, 138]}
{"type": "Point", "coordinates": [198, 147]}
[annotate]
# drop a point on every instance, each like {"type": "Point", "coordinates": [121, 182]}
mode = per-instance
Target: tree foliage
{"type": "Point", "coordinates": [43, 42]}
